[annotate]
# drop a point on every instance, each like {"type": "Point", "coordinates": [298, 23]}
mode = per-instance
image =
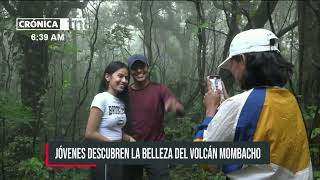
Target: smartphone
{"type": "Point", "coordinates": [216, 83]}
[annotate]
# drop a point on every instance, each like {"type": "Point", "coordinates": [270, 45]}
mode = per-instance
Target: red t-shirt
{"type": "Point", "coordinates": [146, 112]}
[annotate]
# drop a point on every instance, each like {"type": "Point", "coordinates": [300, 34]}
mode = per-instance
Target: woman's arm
{"type": "Point", "coordinates": [94, 121]}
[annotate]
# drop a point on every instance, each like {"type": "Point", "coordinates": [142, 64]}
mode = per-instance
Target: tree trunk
{"type": "Point", "coordinates": [309, 45]}
{"type": "Point", "coordinates": [146, 7]}
{"type": "Point", "coordinates": [202, 46]}
{"type": "Point", "coordinates": [233, 30]}
{"type": "Point", "coordinates": [74, 70]}
{"type": "Point", "coordinates": [74, 58]}
{"type": "Point", "coordinates": [2, 61]}
{"type": "Point", "coordinates": [34, 75]}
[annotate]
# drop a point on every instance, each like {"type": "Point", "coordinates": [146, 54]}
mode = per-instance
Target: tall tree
{"type": "Point", "coordinates": [34, 69]}
{"type": "Point", "coordinates": [147, 19]}
{"type": "Point", "coordinates": [202, 44]}
{"type": "Point", "coordinates": [309, 45]}
{"type": "Point", "coordinates": [309, 58]}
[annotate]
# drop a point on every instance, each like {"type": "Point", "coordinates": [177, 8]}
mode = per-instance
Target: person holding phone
{"type": "Point", "coordinates": [108, 114]}
{"type": "Point", "coordinates": [265, 111]}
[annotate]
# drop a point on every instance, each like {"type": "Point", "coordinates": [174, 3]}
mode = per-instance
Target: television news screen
{"type": "Point", "coordinates": [121, 89]}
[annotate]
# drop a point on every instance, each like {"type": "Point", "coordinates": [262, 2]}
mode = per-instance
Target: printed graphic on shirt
{"type": "Point", "coordinates": [120, 122]}
{"type": "Point", "coordinates": [116, 110]}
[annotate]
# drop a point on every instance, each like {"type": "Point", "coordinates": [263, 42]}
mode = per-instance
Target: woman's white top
{"type": "Point", "coordinates": [113, 117]}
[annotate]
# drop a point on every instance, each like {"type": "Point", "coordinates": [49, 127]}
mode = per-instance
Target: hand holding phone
{"type": "Point", "coordinates": [217, 84]}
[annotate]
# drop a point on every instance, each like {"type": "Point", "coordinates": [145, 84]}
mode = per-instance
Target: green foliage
{"type": "Point", "coordinates": [316, 174]}
{"type": "Point", "coordinates": [117, 36]}
{"type": "Point", "coordinates": [7, 23]}
{"type": "Point", "coordinates": [314, 150]}
{"type": "Point", "coordinates": [315, 133]}
{"type": "Point", "coordinates": [66, 84]}
{"type": "Point", "coordinates": [180, 130]}
{"type": "Point", "coordinates": [16, 120]}
{"type": "Point", "coordinates": [33, 168]}
{"type": "Point", "coordinates": [204, 25]}
{"type": "Point", "coordinates": [196, 28]}
{"type": "Point", "coordinates": [20, 147]}
{"type": "Point", "coordinates": [193, 172]}
{"type": "Point", "coordinates": [309, 112]}
{"type": "Point", "coordinates": [17, 150]}
{"type": "Point", "coordinates": [67, 174]}
{"type": "Point", "coordinates": [14, 112]}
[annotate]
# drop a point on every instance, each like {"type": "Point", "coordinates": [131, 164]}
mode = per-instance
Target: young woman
{"type": "Point", "coordinates": [108, 112]}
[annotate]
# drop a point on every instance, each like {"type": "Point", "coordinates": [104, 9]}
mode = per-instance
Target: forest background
{"type": "Point", "coordinates": [47, 86]}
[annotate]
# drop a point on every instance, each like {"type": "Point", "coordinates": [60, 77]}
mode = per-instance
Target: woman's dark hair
{"type": "Point", "coordinates": [110, 69]}
{"type": "Point", "coordinates": [267, 68]}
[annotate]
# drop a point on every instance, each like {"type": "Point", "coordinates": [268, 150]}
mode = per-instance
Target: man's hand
{"type": "Point", "coordinates": [131, 139]}
{"type": "Point", "coordinates": [172, 105]}
{"type": "Point", "coordinates": [128, 138]}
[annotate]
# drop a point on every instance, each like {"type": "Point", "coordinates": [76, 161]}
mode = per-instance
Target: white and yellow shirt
{"type": "Point", "coordinates": [263, 114]}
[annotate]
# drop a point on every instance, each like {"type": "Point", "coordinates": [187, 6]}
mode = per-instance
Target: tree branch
{"type": "Point", "coordinates": [247, 15]}
{"type": "Point", "coordinates": [288, 28]}
{"type": "Point", "coordinates": [189, 22]}
{"type": "Point", "coordinates": [261, 16]}
{"type": "Point", "coordinates": [226, 14]}
{"type": "Point", "coordinates": [223, 6]}
{"type": "Point", "coordinates": [285, 20]}
{"type": "Point", "coordinates": [269, 17]}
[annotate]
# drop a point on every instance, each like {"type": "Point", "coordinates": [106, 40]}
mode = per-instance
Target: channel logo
{"type": "Point", "coordinates": [52, 24]}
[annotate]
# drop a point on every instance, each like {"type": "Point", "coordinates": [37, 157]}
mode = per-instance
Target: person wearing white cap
{"type": "Point", "coordinates": [265, 111]}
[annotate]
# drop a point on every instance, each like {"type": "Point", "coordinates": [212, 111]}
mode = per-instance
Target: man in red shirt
{"type": "Point", "coordinates": [148, 101]}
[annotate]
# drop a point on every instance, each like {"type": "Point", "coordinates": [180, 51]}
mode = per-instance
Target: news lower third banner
{"type": "Point", "coordinates": [66, 154]}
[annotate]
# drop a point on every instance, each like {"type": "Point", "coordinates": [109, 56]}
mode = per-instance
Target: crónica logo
{"type": "Point", "coordinates": [50, 24]}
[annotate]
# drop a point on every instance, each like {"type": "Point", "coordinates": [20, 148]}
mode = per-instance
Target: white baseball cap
{"type": "Point", "coordinates": [253, 40]}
